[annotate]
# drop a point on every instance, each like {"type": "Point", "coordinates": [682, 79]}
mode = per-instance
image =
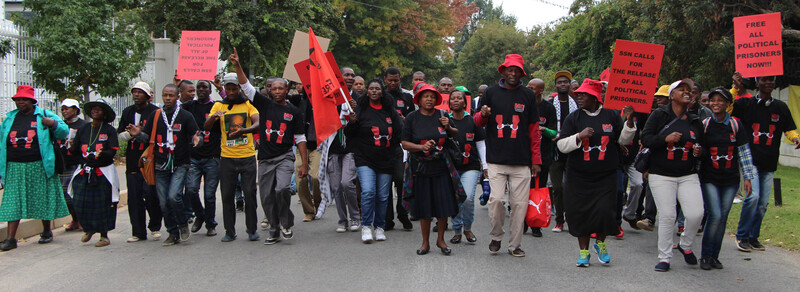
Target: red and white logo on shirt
{"type": "Point", "coordinates": [287, 117]}
{"type": "Point", "coordinates": [470, 137]}
{"type": "Point", "coordinates": [608, 128]}
{"type": "Point", "coordinates": [518, 107]}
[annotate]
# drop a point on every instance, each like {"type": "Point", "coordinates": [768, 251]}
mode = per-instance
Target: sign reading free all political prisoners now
{"type": "Point", "coordinates": [759, 45]}
{"type": "Point", "coordinates": [634, 75]}
{"type": "Point", "coordinates": [197, 58]}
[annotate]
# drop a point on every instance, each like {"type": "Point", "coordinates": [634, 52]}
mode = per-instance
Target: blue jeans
{"type": "Point", "coordinates": [208, 168]}
{"type": "Point", "coordinates": [755, 206]}
{"type": "Point", "coordinates": [169, 186]}
{"type": "Point", "coordinates": [375, 192]}
{"type": "Point", "coordinates": [466, 214]}
{"type": "Point", "coordinates": [717, 201]}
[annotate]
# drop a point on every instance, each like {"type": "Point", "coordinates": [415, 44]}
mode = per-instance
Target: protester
{"type": "Point", "coordinates": [470, 166]}
{"type": "Point", "coordinates": [70, 112]}
{"type": "Point", "coordinates": [431, 175]}
{"type": "Point", "coordinates": [660, 98]}
{"type": "Point", "coordinates": [510, 114]}
{"type": "Point", "coordinates": [591, 179]}
{"type": "Point", "coordinates": [673, 134]}
{"type": "Point", "coordinates": [564, 105]}
{"type": "Point", "coordinates": [573, 85]}
{"type": "Point", "coordinates": [358, 87]}
{"type": "Point", "coordinates": [95, 186]}
{"type": "Point", "coordinates": [27, 167]}
{"type": "Point", "coordinates": [418, 76]}
{"type": "Point", "coordinates": [704, 99]}
{"type": "Point", "coordinates": [308, 189]}
{"type": "Point", "coordinates": [764, 117]}
{"type": "Point", "coordinates": [141, 196]}
{"type": "Point", "coordinates": [475, 101]}
{"type": "Point", "coordinates": [548, 128]}
{"type": "Point", "coordinates": [341, 172]}
{"type": "Point", "coordinates": [374, 130]}
{"type": "Point", "coordinates": [349, 77]}
{"type": "Point", "coordinates": [445, 85]}
{"type": "Point", "coordinates": [719, 172]}
{"type": "Point", "coordinates": [204, 162]}
{"type": "Point", "coordinates": [404, 104]}
{"type": "Point", "coordinates": [696, 107]}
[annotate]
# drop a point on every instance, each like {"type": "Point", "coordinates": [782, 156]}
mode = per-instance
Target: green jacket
{"type": "Point", "coordinates": [44, 133]}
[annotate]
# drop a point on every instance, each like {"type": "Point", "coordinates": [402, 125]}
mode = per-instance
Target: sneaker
{"type": "Point", "coordinates": [583, 258]}
{"type": "Point", "coordinates": [366, 234]}
{"type": "Point", "coordinates": [190, 220]}
{"type": "Point", "coordinates": [171, 240]}
{"type": "Point", "coordinates": [593, 235]}
{"type": "Point", "coordinates": [264, 224]}
{"type": "Point", "coordinates": [228, 238]}
{"type": "Point", "coordinates": [621, 233]}
{"type": "Point", "coordinates": [211, 231]}
{"type": "Point", "coordinates": [517, 252]}
{"type": "Point", "coordinates": [688, 256]}
{"type": "Point", "coordinates": [134, 239]}
{"type": "Point", "coordinates": [632, 223]}
{"type": "Point", "coordinates": [743, 245]}
{"type": "Point", "coordinates": [753, 243]}
{"type": "Point", "coordinates": [253, 237]}
{"type": "Point", "coordinates": [184, 232]}
{"type": "Point", "coordinates": [287, 233]}
{"type": "Point", "coordinates": [272, 239]}
{"type": "Point", "coordinates": [536, 231]}
{"type": "Point", "coordinates": [494, 246]}
{"type": "Point", "coordinates": [737, 200]}
{"type": "Point", "coordinates": [646, 224]}
{"type": "Point", "coordinates": [705, 263]}
{"type": "Point", "coordinates": [379, 235]}
{"type": "Point", "coordinates": [197, 225]}
{"type": "Point", "coordinates": [46, 237]}
{"type": "Point", "coordinates": [602, 252]}
{"type": "Point", "coordinates": [102, 242]}
{"type": "Point", "coordinates": [308, 218]}
{"type": "Point", "coordinates": [341, 229]}
{"type": "Point", "coordinates": [355, 225]}
{"type": "Point", "coordinates": [87, 236]}
{"type": "Point", "coordinates": [559, 227]}
{"type": "Point", "coordinates": [662, 267]}
{"type": "Point", "coordinates": [8, 244]}
{"type": "Point", "coordinates": [716, 264]}
{"type": "Point", "coordinates": [239, 206]}
{"type": "Point", "coordinates": [156, 235]}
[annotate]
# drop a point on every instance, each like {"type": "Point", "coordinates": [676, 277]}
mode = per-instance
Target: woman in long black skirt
{"type": "Point", "coordinates": [95, 186]}
{"type": "Point", "coordinates": [592, 138]}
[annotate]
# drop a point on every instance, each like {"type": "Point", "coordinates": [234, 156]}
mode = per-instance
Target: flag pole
{"type": "Point", "coordinates": [346, 102]}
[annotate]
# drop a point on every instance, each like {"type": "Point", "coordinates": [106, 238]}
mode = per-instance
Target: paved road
{"type": "Point", "coordinates": [320, 259]}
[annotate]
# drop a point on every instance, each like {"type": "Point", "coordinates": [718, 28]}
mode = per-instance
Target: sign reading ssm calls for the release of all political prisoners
{"type": "Point", "coordinates": [634, 75]}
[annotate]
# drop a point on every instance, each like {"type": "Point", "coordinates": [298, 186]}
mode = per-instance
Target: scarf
{"type": "Point", "coordinates": [573, 106]}
{"type": "Point", "coordinates": [233, 101]}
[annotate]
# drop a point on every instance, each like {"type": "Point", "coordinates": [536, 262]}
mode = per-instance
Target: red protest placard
{"type": "Point", "coordinates": [198, 55]}
{"type": "Point", "coordinates": [634, 75]}
{"type": "Point", "coordinates": [303, 72]}
{"type": "Point", "coordinates": [759, 45]}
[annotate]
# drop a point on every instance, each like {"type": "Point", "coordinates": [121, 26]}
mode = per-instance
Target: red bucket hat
{"type": "Point", "coordinates": [512, 60]}
{"type": "Point", "coordinates": [25, 91]}
{"type": "Point", "coordinates": [426, 87]}
{"type": "Point", "coordinates": [592, 87]}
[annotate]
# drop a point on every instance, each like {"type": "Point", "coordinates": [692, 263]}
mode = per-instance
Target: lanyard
{"type": "Point", "coordinates": [170, 140]}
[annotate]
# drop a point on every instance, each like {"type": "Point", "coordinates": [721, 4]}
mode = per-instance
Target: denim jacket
{"type": "Point", "coordinates": [44, 133]}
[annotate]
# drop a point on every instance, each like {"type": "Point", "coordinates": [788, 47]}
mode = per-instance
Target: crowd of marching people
{"type": "Point", "coordinates": [677, 168]}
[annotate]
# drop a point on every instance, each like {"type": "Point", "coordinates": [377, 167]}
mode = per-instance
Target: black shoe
{"type": "Point", "coordinates": [423, 251]}
{"type": "Point", "coordinates": [239, 206]}
{"type": "Point", "coordinates": [197, 225]}
{"type": "Point", "coordinates": [389, 226]}
{"type": "Point", "coordinates": [470, 239]}
{"type": "Point", "coordinates": [716, 264]}
{"type": "Point", "coordinates": [743, 245]}
{"type": "Point", "coordinates": [662, 267]}
{"type": "Point", "coordinates": [8, 244]}
{"type": "Point", "coordinates": [456, 239]}
{"type": "Point", "coordinates": [517, 252]}
{"type": "Point", "coordinates": [211, 231]}
{"type": "Point", "coordinates": [171, 240]}
{"type": "Point", "coordinates": [705, 263]}
{"type": "Point", "coordinates": [407, 226]}
{"type": "Point", "coordinates": [184, 232]}
{"type": "Point", "coordinates": [632, 223]}
{"type": "Point", "coordinates": [757, 245]}
{"type": "Point", "coordinates": [494, 246]}
{"type": "Point", "coordinates": [435, 228]}
{"type": "Point", "coordinates": [690, 258]}
{"type": "Point", "coordinates": [536, 231]}
{"type": "Point", "coordinates": [47, 237]}
{"type": "Point", "coordinates": [445, 250]}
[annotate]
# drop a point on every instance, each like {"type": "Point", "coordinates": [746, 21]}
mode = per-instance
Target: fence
{"type": "Point", "coordinates": [16, 70]}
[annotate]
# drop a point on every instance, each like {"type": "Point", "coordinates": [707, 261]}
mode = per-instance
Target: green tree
{"type": "Point", "coordinates": [85, 45]}
{"type": "Point", "coordinates": [485, 51]}
{"type": "Point", "coordinates": [487, 12]}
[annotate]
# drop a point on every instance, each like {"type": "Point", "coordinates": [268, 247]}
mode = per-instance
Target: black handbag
{"type": "Point", "coordinates": [642, 161]}
{"type": "Point", "coordinates": [453, 148]}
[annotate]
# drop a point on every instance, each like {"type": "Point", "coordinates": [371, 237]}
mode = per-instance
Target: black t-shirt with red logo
{"type": "Point", "coordinates": [210, 139]}
{"type": "Point", "coordinates": [71, 159]}
{"type": "Point", "coordinates": [599, 153]}
{"type": "Point", "coordinates": [507, 137]}
{"type": "Point", "coordinates": [720, 163]}
{"type": "Point", "coordinates": [418, 129]}
{"type": "Point", "coordinates": [277, 125]}
{"type": "Point", "coordinates": [403, 102]}
{"type": "Point", "coordinates": [468, 134]}
{"type": "Point", "coordinates": [375, 136]}
{"type": "Point", "coordinates": [97, 147]}
{"type": "Point", "coordinates": [547, 119]}
{"type": "Point", "coordinates": [765, 124]}
{"type": "Point", "coordinates": [133, 116]}
{"type": "Point", "coordinates": [183, 130]}
{"type": "Point", "coordinates": [671, 159]}
{"type": "Point", "coordinates": [23, 142]}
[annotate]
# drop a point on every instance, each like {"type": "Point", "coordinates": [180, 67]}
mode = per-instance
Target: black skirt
{"type": "Point", "coordinates": [93, 205]}
{"type": "Point", "coordinates": [434, 197]}
{"type": "Point", "coordinates": [590, 203]}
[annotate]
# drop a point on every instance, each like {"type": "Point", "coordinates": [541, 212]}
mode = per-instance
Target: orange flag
{"type": "Point", "coordinates": [326, 92]}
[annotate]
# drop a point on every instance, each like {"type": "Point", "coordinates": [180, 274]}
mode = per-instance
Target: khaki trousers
{"type": "Point", "coordinates": [516, 179]}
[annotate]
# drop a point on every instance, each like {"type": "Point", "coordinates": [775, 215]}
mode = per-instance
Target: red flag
{"type": "Point", "coordinates": [324, 91]}
{"type": "Point", "coordinates": [605, 75]}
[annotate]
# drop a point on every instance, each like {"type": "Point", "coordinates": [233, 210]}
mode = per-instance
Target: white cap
{"type": "Point", "coordinates": [71, 103]}
{"type": "Point", "coordinates": [230, 78]}
{"type": "Point", "coordinates": [143, 86]}
{"type": "Point", "coordinates": [679, 82]}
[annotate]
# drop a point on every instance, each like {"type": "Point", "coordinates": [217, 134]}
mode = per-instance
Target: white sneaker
{"type": "Point", "coordinates": [341, 229]}
{"type": "Point", "coordinates": [264, 224]}
{"type": "Point", "coordinates": [558, 228]}
{"type": "Point", "coordinates": [134, 239]}
{"type": "Point", "coordinates": [355, 225]}
{"type": "Point", "coordinates": [737, 201]}
{"type": "Point", "coordinates": [366, 234]}
{"type": "Point", "coordinates": [379, 236]}
{"type": "Point", "coordinates": [156, 235]}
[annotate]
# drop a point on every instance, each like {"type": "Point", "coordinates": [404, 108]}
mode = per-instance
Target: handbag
{"type": "Point", "coordinates": [147, 161]}
{"type": "Point", "coordinates": [642, 161]}
{"type": "Point", "coordinates": [538, 206]}
{"type": "Point", "coordinates": [453, 148]}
